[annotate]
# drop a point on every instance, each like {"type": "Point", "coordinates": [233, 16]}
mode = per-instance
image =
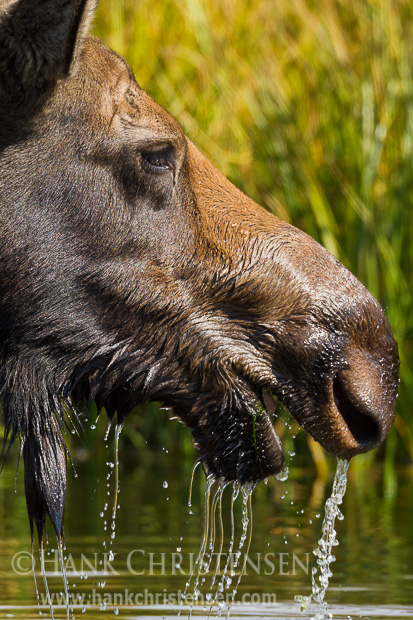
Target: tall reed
{"type": "Point", "coordinates": [308, 107]}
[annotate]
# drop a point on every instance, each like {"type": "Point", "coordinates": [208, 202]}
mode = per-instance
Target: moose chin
{"type": "Point", "coordinates": [131, 270]}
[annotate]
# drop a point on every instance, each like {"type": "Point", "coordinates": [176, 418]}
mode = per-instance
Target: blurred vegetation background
{"type": "Point", "coordinates": [308, 108]}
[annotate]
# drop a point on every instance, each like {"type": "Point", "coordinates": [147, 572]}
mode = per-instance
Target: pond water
{"type": "Point", "coordinates": [157, 537]}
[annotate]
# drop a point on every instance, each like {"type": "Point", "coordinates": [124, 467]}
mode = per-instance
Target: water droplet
{"type": "Point", "coordinates": [283, 474]}
{"type": "Point", "coordinates": [165, 484]}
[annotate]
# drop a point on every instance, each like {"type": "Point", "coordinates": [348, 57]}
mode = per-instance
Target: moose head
{"type": "Point", "coordinates": [131, 270]}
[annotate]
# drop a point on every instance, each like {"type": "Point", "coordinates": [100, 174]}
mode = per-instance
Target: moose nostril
{"type": "Point", "coordinates": [365, 430]}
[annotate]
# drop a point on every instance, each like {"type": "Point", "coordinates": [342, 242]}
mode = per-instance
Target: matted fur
{"type": "Point", "coordinates": [131, 270]}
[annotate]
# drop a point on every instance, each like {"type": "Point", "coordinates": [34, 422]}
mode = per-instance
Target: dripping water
{"type": "Point", "coordinates": [46, 585]}
{"type": "Point", "coordinates": [247, 491]}
{"type": "Point", "coordinates": [61, 558]}
{"type": "Point", "coordinates": [106, 437]}
{"type": "Point", "coordinates": [36, 586]}
{"type": "Point", "coordinates": [113, 471]}
{"type": "Point", "coordinates": [321, 574]}
{"type": "Point", "coordinates": [221, 488]}
{"type": "Point", "coordinates": [116, 506]}
{"type": "Point", "coordinates": [216, 501]}
{"type": "Point", "coordinates": [282, 475]}
{"type": "Point", "coordinates": [197, 565]}
{"type": "Point", "coordinates": [206, 565]}
{"type": "Point", "coordinates": [197, 462]}
{"type": "Point", "coordinates": [118, 430]}
{"type": "Point", "coordinates": [64, 576]}
{"type": "Point", "coordinates": [226, 581]}
{"type": "Point", "coordinates": [213, 536]}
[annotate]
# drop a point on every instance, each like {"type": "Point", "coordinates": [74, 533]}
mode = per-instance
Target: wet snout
{"type": "Point", "coordinates": [362, 401]}
{"type": "Point", "coordinates": [322, 343]}
{"type": "Point", "coordinates": [341, 380]}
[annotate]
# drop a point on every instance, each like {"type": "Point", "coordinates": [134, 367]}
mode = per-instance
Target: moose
{"type": "Point", "coordinates": [131, 270]}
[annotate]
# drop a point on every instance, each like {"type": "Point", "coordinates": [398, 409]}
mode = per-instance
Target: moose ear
{"type": "Point", "coordinates": [40, 42]}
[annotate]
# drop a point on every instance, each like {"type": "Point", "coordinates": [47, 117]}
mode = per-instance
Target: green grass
{"type": "Point", "coordinates": [307, 107]}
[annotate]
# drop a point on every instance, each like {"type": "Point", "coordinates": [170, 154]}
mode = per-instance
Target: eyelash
{"type": "Point", "coordinates": [158, 161]}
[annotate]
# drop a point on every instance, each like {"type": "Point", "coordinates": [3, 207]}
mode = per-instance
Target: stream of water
{"type": "Point", "coordinates": [154, 553]}
{"type": "Point", "coordinates": [320, 575]}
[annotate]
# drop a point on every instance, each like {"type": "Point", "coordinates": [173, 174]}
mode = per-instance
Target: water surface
{"type": "Point", "coordinates": [157, 538]}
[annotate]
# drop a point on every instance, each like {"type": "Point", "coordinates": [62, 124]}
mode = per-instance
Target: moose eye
{"type": "Point", "coordinates": [158, 161]}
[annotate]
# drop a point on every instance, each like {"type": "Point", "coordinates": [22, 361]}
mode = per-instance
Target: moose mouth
{"type": "Point", "coordinates": [236, 439]}
{"type": "Point", "coordinates": [348, 412]}
{"type": "Point", "coordinates": [243, 445]}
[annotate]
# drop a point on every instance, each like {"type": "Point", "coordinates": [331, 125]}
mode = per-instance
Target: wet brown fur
{"type": "Point", "coordinates": [132, 270]}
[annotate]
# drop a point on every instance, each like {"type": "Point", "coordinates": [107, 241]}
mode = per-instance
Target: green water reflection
{"type": "Point", "coordinates": [374, 567]}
